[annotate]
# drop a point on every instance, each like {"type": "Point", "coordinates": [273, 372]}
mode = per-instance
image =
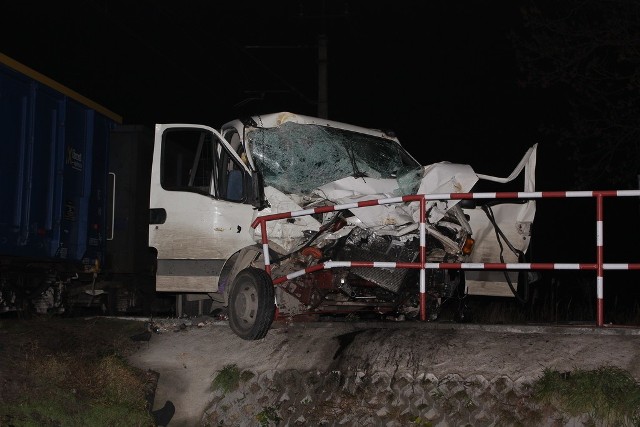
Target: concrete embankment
{"type": "Point", "coordinates": [373, 373]}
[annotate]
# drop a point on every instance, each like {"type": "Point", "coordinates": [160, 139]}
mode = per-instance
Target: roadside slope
{"type": "Point", "coordinates": [188, 357]}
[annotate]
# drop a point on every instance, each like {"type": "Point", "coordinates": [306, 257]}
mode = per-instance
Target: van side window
{"type": "Point", "coordinates": [231, 177]}
{"type": "Point", "coordinates": [187, 160]}
{"type": "Point", "coordinates": [194, 160]}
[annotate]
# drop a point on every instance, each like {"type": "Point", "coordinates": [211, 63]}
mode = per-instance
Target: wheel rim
{"type": "Point", "coordinates": [246, 306]}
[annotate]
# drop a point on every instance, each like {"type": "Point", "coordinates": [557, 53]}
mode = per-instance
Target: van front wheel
{"type": "Point", "coordinates": [251, 304]}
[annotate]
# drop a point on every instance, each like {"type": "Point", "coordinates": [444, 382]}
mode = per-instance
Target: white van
{"type": "Point", "coordinates": [209, 186]}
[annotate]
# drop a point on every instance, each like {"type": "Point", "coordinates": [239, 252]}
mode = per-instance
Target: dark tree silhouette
{"type": "Point", "coordinates": [587, 54]}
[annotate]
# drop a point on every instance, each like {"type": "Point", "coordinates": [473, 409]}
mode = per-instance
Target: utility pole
{"type": "Point", "coordinates": [323, 98]}
{"type": "Point", "coordinates": [323, 60]}
{"type": "Point", "coordinates": [323, 90]}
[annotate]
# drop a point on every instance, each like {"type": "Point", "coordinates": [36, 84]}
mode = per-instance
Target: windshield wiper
{"type": "Point", "coordinates": [356, 172]}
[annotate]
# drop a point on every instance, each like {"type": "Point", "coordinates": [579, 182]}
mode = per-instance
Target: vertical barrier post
{"type": "Point", "coordinates": [600, 259]}
{"type": "Point", "coordinates": [265, 246]}
{"type": "Point", "coordinates": [267, 262]}
{"type": "Point", "coordinates": [423, 260]}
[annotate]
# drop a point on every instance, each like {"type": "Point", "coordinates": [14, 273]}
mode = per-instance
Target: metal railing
{"type": "Point", "coordinates": [599, 266]}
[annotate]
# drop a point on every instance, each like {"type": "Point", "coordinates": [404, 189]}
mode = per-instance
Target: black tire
{"type": "Point", "coordinates": [251, 304]}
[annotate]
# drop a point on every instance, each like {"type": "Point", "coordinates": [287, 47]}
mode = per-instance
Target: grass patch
{"type": "Point", "coordinates": [71, 372]}
{"type": "Point", "coordinates": [267, 416]}
{"type": "Point", "coordinates": [227, 380]}
{"type": "Point", "coordinates": [608, 394]}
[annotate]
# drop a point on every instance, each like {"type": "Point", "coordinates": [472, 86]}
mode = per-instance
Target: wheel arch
{"type": "Point", "coordinates": [245, 257]}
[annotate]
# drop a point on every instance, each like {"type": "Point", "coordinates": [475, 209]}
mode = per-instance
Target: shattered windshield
{"type": "Point", "coordinates": [297, 158]}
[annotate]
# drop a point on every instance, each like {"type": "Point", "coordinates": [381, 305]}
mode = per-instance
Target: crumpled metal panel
{"type": "Point", "coordinates": [366, 245]}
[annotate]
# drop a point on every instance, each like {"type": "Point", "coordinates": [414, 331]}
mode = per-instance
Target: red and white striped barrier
{"type": "Point", "coordinates": [599, 265]}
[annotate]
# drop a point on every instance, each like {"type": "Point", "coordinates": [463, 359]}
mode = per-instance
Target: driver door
{"type": "Point", "coordinates": [200, 207]}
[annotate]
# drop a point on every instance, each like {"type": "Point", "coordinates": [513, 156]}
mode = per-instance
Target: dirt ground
{"type": "Point", "coordinates": [188, 354]}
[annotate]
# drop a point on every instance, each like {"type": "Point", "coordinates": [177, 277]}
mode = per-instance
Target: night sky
{"type": "Point", "coordinates": [442, 75]}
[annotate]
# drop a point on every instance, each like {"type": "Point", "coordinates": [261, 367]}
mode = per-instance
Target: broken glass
{"type": "Point", "coordinates": [298, 158]}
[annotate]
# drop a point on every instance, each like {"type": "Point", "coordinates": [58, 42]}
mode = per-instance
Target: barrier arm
{"type": "Point", "coordinates": [599, 266]}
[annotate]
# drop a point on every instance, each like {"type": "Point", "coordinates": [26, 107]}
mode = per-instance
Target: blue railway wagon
{"type": "Point", "coordinates": [53, 180]}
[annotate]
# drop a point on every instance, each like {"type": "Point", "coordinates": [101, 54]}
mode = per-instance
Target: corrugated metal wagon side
{"type": "Point", "coordinates": [53, 186]}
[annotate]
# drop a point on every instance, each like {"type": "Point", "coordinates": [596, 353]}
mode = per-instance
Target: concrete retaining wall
{"type": "Point", "coordinates": [292, 398]}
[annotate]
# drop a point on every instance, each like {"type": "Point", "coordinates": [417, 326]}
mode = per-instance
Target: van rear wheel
{"type": "Point", "coordinates": [251, 304]}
